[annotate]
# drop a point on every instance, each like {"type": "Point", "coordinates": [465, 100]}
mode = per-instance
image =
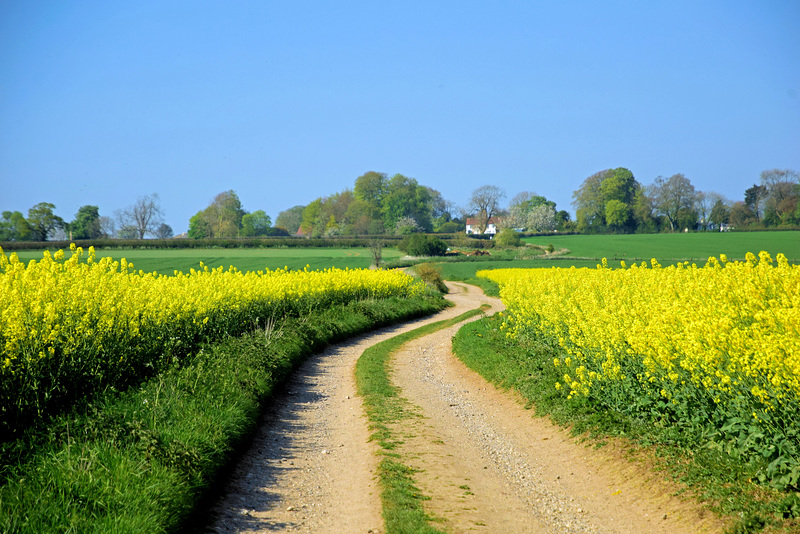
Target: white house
{"type": "Point", "coordinates": [473, 223]}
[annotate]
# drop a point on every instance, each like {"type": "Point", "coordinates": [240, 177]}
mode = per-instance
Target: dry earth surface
{"type": "Point", "coordinates": [486, 462]}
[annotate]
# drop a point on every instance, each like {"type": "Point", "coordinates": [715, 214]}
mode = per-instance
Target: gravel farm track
{"type": "Point", "coordinates": [487, 464]}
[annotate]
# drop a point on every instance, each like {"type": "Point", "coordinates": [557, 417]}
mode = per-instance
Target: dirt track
{"type": "Point", "coordinates": [486, 463]}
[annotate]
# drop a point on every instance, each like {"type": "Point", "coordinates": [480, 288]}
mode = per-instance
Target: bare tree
{"type": "Point", "coordinates": [674, 196]}
{"type": "Point", "coordinates": [144, 217]}
{"type": "Point", "coordinates": [521, 197]}
{"type": "Point", "coordinates": [706, 200]}
{"type": "Point", "coordinates": [107, 226]}
{"type": "Point", "coordinates": [485, 203]}
{"type": "Point", "coordinates": [376, 249]}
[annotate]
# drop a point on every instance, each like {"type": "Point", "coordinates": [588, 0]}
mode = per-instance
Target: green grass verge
{"type": "Point", "coordinates": [722, 481]}
{"type": "Point", "coordinates": [402, 501]}
{"type": "Point", "coordinates": [145, 460]}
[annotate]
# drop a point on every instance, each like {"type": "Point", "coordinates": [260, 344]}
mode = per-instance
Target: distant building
{"type": "Point", "coordinates": [473, 223]}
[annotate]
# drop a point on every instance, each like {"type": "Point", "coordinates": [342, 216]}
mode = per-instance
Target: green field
{"type": "Point", "coordinates": [584, 251]}
{"type": "Point", "coordinates": [668, 247]}
{"type": "Point", "coordinates": [588, 250]}
{"type": "Point", "coordinates": [166, 261]}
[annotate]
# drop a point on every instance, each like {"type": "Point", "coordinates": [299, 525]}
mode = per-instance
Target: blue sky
{"type": "Point", "coordinates": [286, 101]}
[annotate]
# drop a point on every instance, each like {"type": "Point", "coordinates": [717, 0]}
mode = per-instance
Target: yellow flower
{"type": "Point", "coordinates": [727, 331]}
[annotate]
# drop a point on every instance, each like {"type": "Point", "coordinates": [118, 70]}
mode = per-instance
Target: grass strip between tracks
{"type": "Point", "coordinates": [401, 499]}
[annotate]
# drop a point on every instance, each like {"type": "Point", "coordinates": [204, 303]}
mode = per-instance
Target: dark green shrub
{"type": "Point", "coordinates": [450, 228]}
{"type": "Point", "coordinates": [423, 245]}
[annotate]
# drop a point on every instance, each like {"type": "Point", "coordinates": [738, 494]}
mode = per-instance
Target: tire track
{"type": "Point", "coordinates": [488, 465]}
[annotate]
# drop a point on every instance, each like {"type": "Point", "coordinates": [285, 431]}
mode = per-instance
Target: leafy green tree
{"type": "Point", "coordinates": [336, 206]}
{"type": "Point", "coordinates": [14, 227]}
{"type": "Point", "coordinates": [590, 207]}
{"type": "Point", "coordinates": [222, 218]}
{"type": "Point", "coordinates": [256, 224]}
{"type": "Point", "coordinates": [332, 228]}
{"type": "Point", "coordinates": [617, 214]}
{"type": "Point", "coordinates": [310, 225]}
{"type": "Point", "coordinates": [619, 185]}
{"type": "Point", "coordinates": [199, 226]}
{"type": "Point", "coordinates": [290, 219]}
{"type": "Point", "coordinates": [720, 213]}
{"type": "Point", "coordinates": [563, 220]}
{"type": "Point", "coordinates": [441, 211]}
{"type": "Point", "coordinates": [754, 198]}
{"type": "Point", "coordinates": [688, 218]}
{"type": "Point", "coordinates": [225, 214]}
{"type": "Point", "coordinates": [450, 227]}
{"type": "Point", "coordinates": [537, 200]}
{"type": "Point", "coordinates": [371, 188]}
{"type": "Point", "coordinates": [328, 215]}
{"type": "Point", "coordinates": [740, 215]}
{"type": "Point", "coordinates": [406, 198]}
{"type": "Point", "coordinates": [359, 217]}
{"type": "Point", "coordinates": [643, 211]}
{"type": "Point", "coordinates": [86, 224]}
{"type": "Point", "coordinates": [42, 221]}
{"type": "Point", "coordinates": [597, 191]}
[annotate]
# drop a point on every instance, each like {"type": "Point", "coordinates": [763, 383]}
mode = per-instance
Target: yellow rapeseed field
{"type": "Point", "coordinates": [87, 318]}
{"type": "Point", "coordinates": [724, 327]}
{"type": "Point", "coordinates": [712, 350]}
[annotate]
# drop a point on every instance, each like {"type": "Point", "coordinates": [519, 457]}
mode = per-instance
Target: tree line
{"type": "Point", "coordinates": [614, 201]}
{"type": "Point", "coordinates": [609, 201]}
{"type": "Point", "coordinates": [141, 219]}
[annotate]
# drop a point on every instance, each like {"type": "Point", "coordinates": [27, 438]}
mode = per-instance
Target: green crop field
{"type": "Point", "coordinates": [588, 250]}
{"type": "Point", "coordinates": [670, 247]}
{"type": "Point", "coordinates": [584, 251]}
{"type": "Point", "coordinates": [166, 261]}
